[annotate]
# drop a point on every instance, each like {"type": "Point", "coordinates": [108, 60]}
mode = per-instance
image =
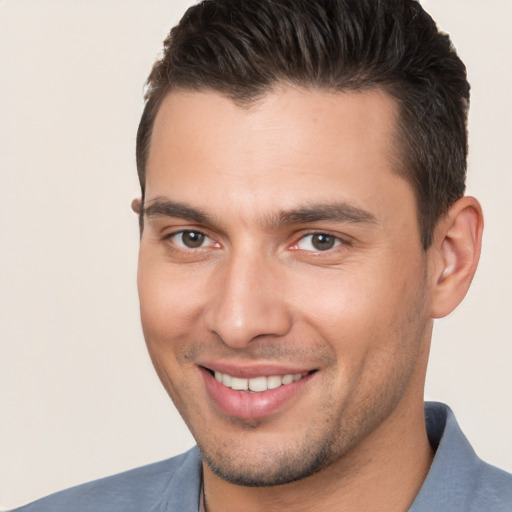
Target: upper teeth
{"type": "Point", "coordinates": [257, 384]}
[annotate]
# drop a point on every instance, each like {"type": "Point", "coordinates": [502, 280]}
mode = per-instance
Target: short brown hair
{"type": "Point", "coordinates": [244, 48]}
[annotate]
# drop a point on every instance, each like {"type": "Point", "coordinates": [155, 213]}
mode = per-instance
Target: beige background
{"type": "Point", "coordinates": [78, 397]}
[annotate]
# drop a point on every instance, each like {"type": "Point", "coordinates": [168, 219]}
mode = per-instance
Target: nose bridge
{"type": "Point", "coordinates": [248, 301]}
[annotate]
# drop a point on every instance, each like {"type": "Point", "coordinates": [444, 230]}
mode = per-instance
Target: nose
{"type": "Point", "coordinates": [248, 301]}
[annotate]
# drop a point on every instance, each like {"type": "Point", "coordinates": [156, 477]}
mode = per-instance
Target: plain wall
{"type": "Point", "coordinates": [78, 395]}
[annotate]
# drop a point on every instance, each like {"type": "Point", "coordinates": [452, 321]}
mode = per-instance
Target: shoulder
{"type": "Point", "coordinates": [458, 479]}
{"type": "Point", "coordinates": [488, 488]}
{"type": "Point", "coordinates": [493, 487]}
{"type": "Point", "coordinates": [138, 490]}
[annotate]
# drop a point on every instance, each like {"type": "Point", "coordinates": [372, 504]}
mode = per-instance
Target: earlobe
{"type": "Point", "coordinates": [457, 240]}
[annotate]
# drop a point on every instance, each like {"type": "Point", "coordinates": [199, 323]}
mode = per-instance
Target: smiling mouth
{"type": "Point", "coordinates": [256, 384]}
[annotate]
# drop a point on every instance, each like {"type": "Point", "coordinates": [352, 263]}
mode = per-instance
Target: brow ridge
{"type": "Point", "coordinates": [327, 212]}
{"type": "Point", "coordinates": [336, 212]}
{"type": "Point", "coordinates": [160, 207]}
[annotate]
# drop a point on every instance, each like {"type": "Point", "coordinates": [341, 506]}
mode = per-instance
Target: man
{"type": "Point", "coordinates": [303, 221]}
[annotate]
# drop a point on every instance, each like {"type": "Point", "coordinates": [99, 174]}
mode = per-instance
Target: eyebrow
{"type": "Point", "coordinates": [334, 212]}
{"type": "Point", "coordinates": [160, 207]}
{"type": "Point", "coordinates": [322, 212]}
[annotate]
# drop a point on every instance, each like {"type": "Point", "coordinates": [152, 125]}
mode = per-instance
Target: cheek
{"type": "Point", "coordinates": [361, 312]}
{"type": "Point", "coordinates": [376, 336]}
{"type": "Point", "coordinates": [341, 303]}
{"type": "Point", "coordinates": [170, 312]}
{"type": "Point", "coordinates": [170, 302]}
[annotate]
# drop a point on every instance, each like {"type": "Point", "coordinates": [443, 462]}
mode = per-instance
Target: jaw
{"type": "Point", "coordinates": [393, 461]}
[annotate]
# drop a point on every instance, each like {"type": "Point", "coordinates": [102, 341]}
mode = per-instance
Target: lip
{"type": "Point", "coordinates": [251, 370]}
{"type": "Point", "coordinates": [247, 405]}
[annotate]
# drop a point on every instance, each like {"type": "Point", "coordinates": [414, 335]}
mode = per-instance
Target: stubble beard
{"type": "Point", "coordinates": [273, 467]}
{"type": "Point", "coordinates": [327, 441]}
{"type": "Point", "coordinates": [334, 433]}
{"type": "Point", "coordinates": [280, 465]}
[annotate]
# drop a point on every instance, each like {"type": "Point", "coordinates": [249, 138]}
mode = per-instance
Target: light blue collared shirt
{"type": "Point", "coordinates": [458, 481]}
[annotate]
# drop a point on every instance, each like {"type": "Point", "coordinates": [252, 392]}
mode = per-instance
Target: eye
{"type": "Point", "coordinates": [318, 242]}
{"type": "Point", "coordinates": [189, 239]}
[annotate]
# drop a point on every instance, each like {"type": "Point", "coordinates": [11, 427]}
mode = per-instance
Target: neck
{"type": "Point", "coordinates": [383, 473]}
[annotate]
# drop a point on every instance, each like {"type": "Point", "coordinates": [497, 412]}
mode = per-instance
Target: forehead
{"type": "Point", "coordinates": [292, 145]}
{"type": "Point", "coordinates": [288, 116]}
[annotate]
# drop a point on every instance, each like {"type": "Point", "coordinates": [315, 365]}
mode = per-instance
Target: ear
{"type": "Point", "coordinates": [137, 208]}
{"type": "Point", "coordinates": [136, 204]}
{"type": "Point", "coordinates": [455, 252]}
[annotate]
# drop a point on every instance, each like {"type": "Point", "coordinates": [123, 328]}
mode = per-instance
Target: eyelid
{"type": "Point", "coordinates": [180, 247]}
{"type": "Point", "coordinates": [211, 242]}
{"type": "Point", "coordinates": [340, 241]}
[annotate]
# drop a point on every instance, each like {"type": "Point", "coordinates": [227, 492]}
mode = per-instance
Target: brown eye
{"type": "Point", "coordinates": [190, 239]}
{"type": "Point", "coordinates": [318, 242]}
{"type": "Point", "coordinates": [322, 242]}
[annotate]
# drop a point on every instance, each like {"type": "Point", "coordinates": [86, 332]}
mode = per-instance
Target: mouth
{"type": "Point", "coordinates": [256, 384]}
{"type": "Point", "coordinates": [257, 392]}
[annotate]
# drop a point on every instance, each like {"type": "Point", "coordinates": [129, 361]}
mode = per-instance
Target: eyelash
{"type": "Point", "coordinates": [182, 247]}
{"type": "Point", "coordinates": [336, 240]}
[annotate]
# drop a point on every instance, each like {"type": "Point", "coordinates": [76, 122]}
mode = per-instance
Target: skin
{"type": "Point", "coordinates": [257, 294]}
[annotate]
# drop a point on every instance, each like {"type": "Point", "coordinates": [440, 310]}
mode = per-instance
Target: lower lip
{"type": "Point", "coordinates": [247, 405]}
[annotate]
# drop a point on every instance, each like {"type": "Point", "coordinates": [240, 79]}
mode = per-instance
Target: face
{"type": "Point", "coordinates": [281, 278]}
